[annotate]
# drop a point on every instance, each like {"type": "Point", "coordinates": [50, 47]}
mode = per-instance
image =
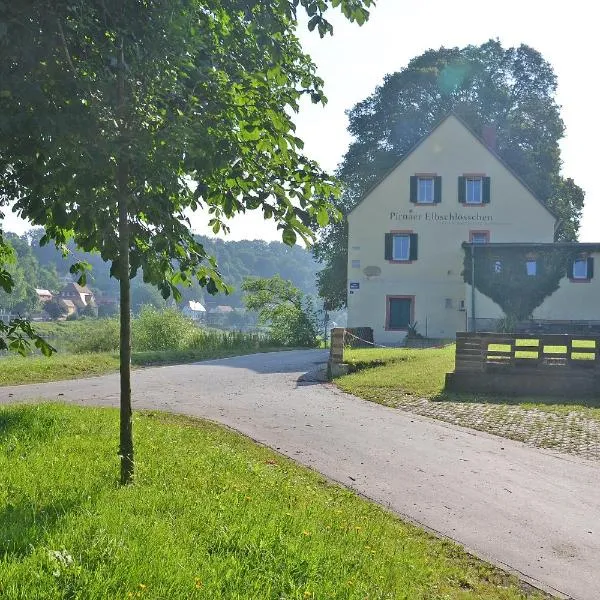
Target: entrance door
{"type": "Point", "coordinates": [400, 311]}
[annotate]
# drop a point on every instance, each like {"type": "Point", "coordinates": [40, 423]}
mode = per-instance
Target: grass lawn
{"type": "Point", "coordinates": [413, 380]}
{"type": "Point", "coordinates": [211, 516]}
{"type": "Point", "coordinates": [15, 370]}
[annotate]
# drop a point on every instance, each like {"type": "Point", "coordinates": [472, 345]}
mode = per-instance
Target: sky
{"type": "Point", "coordinates": [355, 59]}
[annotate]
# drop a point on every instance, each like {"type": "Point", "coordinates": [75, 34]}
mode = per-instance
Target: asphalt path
{"type": "Point", "coordinates": [532, 511]}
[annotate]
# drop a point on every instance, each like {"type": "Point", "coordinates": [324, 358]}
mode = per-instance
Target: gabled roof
{"type": "Point", "coordinates": [78, 288]}
{"type": "Point", "coordinates": [478, 138]}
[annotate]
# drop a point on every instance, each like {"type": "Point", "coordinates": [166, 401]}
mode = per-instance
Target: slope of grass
{"type": "Point", "coordinates": [211, 516]}
{"type": "Point", "coordinates": [17, 370]}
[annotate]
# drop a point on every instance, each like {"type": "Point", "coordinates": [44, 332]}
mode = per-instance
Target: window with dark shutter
{"type": "Point", "coordinates": [486, 190]}
{"type": "Point", "coordinates": [413, 246]}
{"type": "Point", "coordinates": [462, 190]}
{"type": "Point", "coordinates": [413, 189]}
{"type": "Point", "coordinates": [437, 190]}
{"type": "Point", "coordinates": [401, 247]}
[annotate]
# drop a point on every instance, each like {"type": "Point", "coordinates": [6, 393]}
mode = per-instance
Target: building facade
{"type": "Point", "coordinates": [405, 243]}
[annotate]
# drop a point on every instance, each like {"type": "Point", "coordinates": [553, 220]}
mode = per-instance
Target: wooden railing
{"type": "Point", "coordinates": [478, 352]}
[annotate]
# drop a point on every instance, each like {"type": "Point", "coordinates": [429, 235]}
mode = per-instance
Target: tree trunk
{"type": "Point", "coordinates": [126, 429]}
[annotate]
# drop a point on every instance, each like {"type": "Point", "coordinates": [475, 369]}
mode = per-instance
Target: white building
{"type": "Point", "coordinates": [406, 236]}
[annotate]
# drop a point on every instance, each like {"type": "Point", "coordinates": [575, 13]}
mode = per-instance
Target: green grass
{"type": "Point", "coordinates": [386, 375]}
{"type": "Point", "coordinates": [16, 370]}
{"type": "Point", "coordinates": [417, 372]}
{"type": "Point", "coordinates": [211, 516]}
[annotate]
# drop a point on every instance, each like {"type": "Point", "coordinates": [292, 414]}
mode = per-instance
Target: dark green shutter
{"type": "Point", "coordinates": [590, 267]}
{"type": "Point", "coordinates": [462, 190]}
{"type": "Point", "coordinates": [570, 269]}
{"type": "Point", "coordinates": [437, 189]}
{"type": "Point", "coordinates": [414, 247]}
{"type": "Point", "coordinates": [486, 190]}
{"type": "Point", "coordinates": [389, 246]}
{"type": "Point", "coordinates": [414, 180]}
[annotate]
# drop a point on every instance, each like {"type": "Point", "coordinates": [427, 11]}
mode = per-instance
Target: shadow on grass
{"type": "Point", "coordinates": [23, 525]}
{"type": "Point", "coordinates": [25, 422]}
{"type": "Point", "coordinates": [511, 400]}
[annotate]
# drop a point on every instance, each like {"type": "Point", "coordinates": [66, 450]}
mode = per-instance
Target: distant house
{"type": "Point", "coordinates": [222, 309]}
{"type": "Point", "coordinates": [43, 295]}
{"type": "Point", "coordinates": [80, 296]}
{"type": "Point", "coordinates": [69, 306]}
{"type": "Point", "coordinates": [194, 310]}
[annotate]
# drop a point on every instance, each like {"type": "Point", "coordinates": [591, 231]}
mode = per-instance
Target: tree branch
{"type": "Point", "coordinates": [64, 44]}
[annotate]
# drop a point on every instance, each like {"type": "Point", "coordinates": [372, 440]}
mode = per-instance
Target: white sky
{"type": "Point", "coordinates": [354, 61]}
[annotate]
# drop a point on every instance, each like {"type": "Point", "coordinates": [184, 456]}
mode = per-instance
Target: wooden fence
{"type": "Point", "coordinates": [526, 365]}
{"type": "Point", "coordinates": [491, 351]}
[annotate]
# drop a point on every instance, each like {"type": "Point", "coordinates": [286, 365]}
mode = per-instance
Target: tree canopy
{"type": "Point", "coordinates": [118, 118]}
{"type": "Point", "coordinates": [510, 88]}
{"type": "Point", "coordinates": [288, 313]}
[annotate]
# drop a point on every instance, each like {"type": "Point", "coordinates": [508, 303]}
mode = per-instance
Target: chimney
{"type": "Point", "coordinates": [488, 133]}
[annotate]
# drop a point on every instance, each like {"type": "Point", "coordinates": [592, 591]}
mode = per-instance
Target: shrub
{"type": "Point", "coordinates": [161, 330]}
{"type": "Point", "coordinates": [97, 336]}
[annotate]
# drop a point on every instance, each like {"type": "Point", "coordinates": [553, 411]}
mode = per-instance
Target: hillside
{"type": "Point", "coordinates": [45, 267]}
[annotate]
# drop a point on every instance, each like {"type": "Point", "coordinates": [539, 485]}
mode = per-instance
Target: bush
{"type": "Point", "coordinates": [161, 330]}
{"type": "Point", "coordinates": [97, 336]}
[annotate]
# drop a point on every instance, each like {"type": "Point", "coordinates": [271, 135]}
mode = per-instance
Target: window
{"type": "Point", "coordinates": [498, 266]}
{"type": "Point", "coordinates": [401, 246]}
{"type": "Point", "coordinates": [531, 266]}
{"type": "Point", "coordinates": [580, 270]}
{"type": "Point", "coordinates": [474, 190]}
{"type": "Point", "coordinates": [355, 264]}
{"type": "Point", "coordinates": [425, 189]}
{"type": "Point", "coordinates": [399, 312]}
{"type": "Point", "coordinates": [448, 303]}
{"type": "Point", "coordinates": [479, 237]}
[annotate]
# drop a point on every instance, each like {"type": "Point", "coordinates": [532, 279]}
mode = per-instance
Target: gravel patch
{"type": "Point", "coordinates": [571, 432]}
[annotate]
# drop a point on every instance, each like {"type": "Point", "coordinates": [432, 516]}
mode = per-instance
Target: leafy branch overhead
{"type": "Point", "coordinates": [118, 119]}
{"type": "Point", "coordinates": [210, 88]}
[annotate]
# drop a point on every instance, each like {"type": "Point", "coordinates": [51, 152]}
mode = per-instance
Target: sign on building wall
{"type": "Point", "coordinates": [451, 217]}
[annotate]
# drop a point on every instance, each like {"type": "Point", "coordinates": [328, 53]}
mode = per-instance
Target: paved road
{"type": "Point", "coordinates": [534, 511]}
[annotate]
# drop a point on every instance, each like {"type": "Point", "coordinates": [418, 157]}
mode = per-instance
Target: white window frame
{"type": "Point", "coordinates": [403, 258]}
{"type": "Point", "coordinates": [585, 264]}
{"type": "Point", "coordinates": [531, 267]}
{"type": "Point", "coordinates": [473, 200]}
{"type": "Point", "coordinates": [420, 198]}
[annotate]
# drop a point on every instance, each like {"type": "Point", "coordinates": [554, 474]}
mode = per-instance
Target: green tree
{"type": "Point", "coordinates": [288, 313]}
{"type": "Point", "coordinates": [17, 334]}
{"type": "Point", "coordinates": [513, 89]}
{"type": "Point", "coordinates": [119, 117]}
